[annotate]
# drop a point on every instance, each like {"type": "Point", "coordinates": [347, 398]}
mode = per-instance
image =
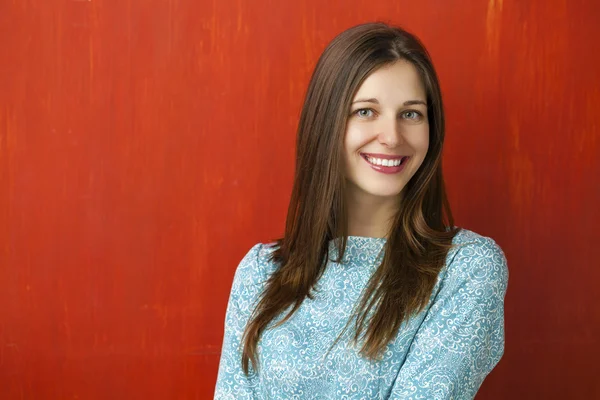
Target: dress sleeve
{"type": "Point", "coordinates": [462, 337]}
{"type": "Point", "coordinates": [232, 383]}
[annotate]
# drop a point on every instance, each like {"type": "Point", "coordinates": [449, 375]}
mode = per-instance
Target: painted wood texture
{"type": "Point", "coordinates": [146, 145]}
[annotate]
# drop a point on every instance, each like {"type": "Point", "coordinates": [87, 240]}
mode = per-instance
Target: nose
{"type": "Point", "coordinates": [389, 133]}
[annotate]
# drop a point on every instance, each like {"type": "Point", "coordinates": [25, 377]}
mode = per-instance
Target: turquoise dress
{"type": "Point", "coordinates": [444, 352]}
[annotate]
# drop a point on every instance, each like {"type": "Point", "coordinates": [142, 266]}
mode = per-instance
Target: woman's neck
{"type": "Point", "coordinates": [369, 215]}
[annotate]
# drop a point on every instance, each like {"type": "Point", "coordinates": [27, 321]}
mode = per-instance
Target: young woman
{"type": "Point", "coordinates": [372, 293]}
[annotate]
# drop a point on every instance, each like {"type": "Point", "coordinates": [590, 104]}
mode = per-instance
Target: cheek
{"type": "Point", "coordinates": [419, 141]}
{"type": "Point", "coordinates": [354, 139]}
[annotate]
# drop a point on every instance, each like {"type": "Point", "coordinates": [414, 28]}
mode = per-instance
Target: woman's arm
{"type": "Point", "coordinates": [462, 337]}
{"type": "Point", "coordinates": [232, 383]}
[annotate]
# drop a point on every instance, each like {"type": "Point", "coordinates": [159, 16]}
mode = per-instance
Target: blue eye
{"type": "Point", "coordinates": [364, 112]}
{"type": "Point", "coordinates": [411, 114]}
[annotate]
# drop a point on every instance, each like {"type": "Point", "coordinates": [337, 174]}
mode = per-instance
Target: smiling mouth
{"type": "Point", "coordinates": [386, 162]}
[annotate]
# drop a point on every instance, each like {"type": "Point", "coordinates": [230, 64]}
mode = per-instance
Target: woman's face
{"type": "Point", "coordinates": [387, 134]}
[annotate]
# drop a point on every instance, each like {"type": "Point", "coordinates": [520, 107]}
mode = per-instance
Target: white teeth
{"type": "Point", "coordinates": [384, 162]}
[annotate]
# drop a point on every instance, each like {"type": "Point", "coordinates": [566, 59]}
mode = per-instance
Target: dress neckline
{"type": "Point", "coordinates": [358, 248]}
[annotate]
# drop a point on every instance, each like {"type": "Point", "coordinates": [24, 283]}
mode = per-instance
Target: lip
{"type": "Point", "coordinates": [383, 169]}
{"type": "Point", "coordinates": [382, 156]}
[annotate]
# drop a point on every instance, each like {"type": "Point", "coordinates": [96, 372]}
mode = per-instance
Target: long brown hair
{"type": "Point", "coordinates": [422, 232]}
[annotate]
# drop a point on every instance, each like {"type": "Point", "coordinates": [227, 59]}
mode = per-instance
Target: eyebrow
{"type": "Point", "coordinates": [406, 103]}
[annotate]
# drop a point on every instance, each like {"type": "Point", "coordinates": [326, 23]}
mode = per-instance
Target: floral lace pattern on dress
{"type": "Point", "coordinates": [444, 352]}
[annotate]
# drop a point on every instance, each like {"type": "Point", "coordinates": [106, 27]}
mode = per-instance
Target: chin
{"type": "Point", "coordinates": [383, 193]}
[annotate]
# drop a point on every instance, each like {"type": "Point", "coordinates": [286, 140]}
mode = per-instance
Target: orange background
{"type": "Point", "coordinates": [146, 145]}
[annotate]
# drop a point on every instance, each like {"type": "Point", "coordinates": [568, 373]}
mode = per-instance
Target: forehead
{"type": "Point", "coordinates": [397, 82]}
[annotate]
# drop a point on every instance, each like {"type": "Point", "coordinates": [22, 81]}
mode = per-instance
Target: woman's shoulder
{"type": "Point", "coordinates": [254, 269]}
{"type": "Point", "coordinates": [474, 257]}
{"type": "Point", "coordinates": [467, 239]}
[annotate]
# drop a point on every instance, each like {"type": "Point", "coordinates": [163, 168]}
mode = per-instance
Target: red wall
{"type": "Point", "coordinates": [146, 145]}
